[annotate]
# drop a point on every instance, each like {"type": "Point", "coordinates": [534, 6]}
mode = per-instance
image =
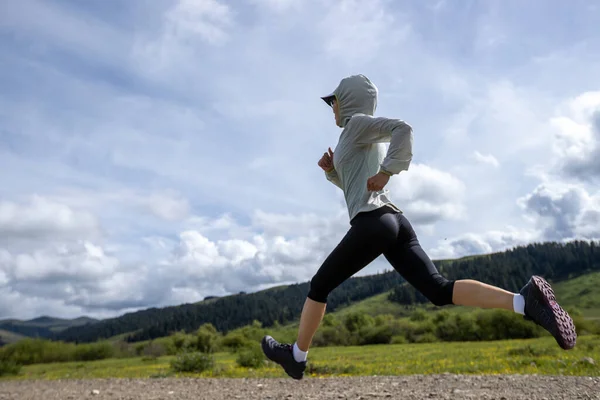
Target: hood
{"type": "Point", "coordinates": [355, 94]}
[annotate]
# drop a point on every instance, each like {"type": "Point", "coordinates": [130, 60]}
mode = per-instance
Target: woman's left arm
{"type": "Point", "coordinates": [367, 130]}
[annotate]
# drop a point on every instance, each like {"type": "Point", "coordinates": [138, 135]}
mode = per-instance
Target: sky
{"type": "Point", "coordinates": [155, 153]}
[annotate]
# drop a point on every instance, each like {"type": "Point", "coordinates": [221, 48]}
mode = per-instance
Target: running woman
{"type": "Point", "coordinates": [361, 168]}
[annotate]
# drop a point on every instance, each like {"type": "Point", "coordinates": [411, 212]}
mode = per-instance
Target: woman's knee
{"type": "Point", "coordinates": [440, 291]}
{"type": "Point", "coordinates": [319, 290]}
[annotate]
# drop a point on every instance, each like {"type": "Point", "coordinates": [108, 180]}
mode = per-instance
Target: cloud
{"type": "Point", "coordinates": [564, 211]}
{"type": "Point", "coordinates": [428, 195]}
{"type": "Point", "coordinates": [152, 142]}
{"type": "Point", "coordinates": [577, 138]}
{"type": "Point", "coordinates": [483, 243]}
{"type": "Point", "coordinates": [486, 159]}
{"type": "Point", "coordinates": [43, 219]}
{"type": "Point", "coordinates": [209, 19]}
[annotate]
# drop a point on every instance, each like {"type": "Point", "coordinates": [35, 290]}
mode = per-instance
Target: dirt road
{"type": "Point", "coordinates": [367, 388]}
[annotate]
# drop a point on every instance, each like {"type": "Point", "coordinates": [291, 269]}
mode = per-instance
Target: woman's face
{"type": "Point", "coordinates": [336, 111]}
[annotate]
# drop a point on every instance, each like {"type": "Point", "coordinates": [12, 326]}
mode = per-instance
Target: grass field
{"type": "Point", "coordinates": [581, 293]}
{"type": "Point", "coordinates": [537, 356]}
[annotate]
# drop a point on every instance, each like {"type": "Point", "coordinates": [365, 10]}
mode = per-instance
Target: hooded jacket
{"type": "Point", "coordinates": [361, 149]}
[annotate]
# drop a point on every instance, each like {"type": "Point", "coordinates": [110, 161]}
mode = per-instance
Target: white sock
{"type": "Point", "coordinates": [299, 355]}
{"type": "Point", "coordinates": [519, 303]}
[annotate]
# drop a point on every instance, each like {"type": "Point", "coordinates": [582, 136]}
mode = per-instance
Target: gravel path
{"type": "Point", "coordinates": [373, 388]}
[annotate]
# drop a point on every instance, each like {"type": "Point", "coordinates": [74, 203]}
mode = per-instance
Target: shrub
{"type": "Point", "coordinates": [9, 368]}
{"type": "Point", "coordinates": [251, 357]}
{"type": "Point", "coordinates": [457, 327]}
{"type": "Point", "coordinates": [376, 335]}
{"type": "Point", "coordinates": [427, 337]}
{"type": "Point", "coordinates": [153, 350]}
{"type": "Point", "coordinates": [193, 362]}
{"type": "Point", "coordinates": [93, 351]}
{"type": "Point", "coordinates": [179, 342]}
{"type": "Point", "coordinates": [399, 339]}
{"type": "Point", "coordinates": [419, 315]}
{"type": "Point", "coordinates": [33, 351]}
{"type": "Point", "coordinates": [501, 324]}
{"type": "Point", "coordinates": [207, 339]}
{"type": "Point", "coordinates": [585, 326]}
{"type": "Point", "coordinates": [123, 349]}
{"type": "Point", "coordinates": [356, 321]}
{"type": "Point", "coordinates": [332, 336]}
{"type": "Point", "coordinates": [234, 341]}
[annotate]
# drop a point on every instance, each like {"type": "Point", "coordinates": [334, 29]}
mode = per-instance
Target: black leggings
{"type": "Point", "coordinates": [388, 232]}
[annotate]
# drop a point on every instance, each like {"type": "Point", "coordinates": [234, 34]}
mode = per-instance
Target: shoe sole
{"type": "Point", "coordinates": [565, 333]}
{"type": "Point", "coordinates": [265, 348]}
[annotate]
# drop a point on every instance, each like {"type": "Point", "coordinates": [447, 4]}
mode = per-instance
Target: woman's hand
{"type": "Point", "coordinates": [326, 162]}
{"type": "Point", "coordinates": [377, 182]}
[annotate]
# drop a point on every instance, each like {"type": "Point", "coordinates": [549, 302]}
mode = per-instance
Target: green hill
{"type": "Point", "coordinates": [43, 327]}
{"type": "Point", "coordinates": [509, 269]}
{"type": "Point", "coordinates": [7, 337]}
{"type": "Point", "coordinates": [579, 293]}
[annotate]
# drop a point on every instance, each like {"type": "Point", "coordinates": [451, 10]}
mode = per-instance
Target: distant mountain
{"type": "Point", "coordinates": [509, 269]}
{"type": "Point", "coordinates": [43, 327]}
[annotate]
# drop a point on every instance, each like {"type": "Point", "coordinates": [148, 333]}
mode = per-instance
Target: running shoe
{"type": "Point", "coordinates": [541, 307]}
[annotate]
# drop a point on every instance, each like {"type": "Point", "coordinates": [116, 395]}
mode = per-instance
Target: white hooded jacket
{"type": "Point", "coordinates": [361, 150]}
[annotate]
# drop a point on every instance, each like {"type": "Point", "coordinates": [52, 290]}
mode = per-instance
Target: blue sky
{"type": "Point", "coordinates": [154, 153]}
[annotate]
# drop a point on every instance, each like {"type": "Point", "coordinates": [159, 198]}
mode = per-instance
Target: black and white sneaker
{"type": "Point", "coordinates": [283, 355]}
{"type": "Point", "coordinates": [541, 307]}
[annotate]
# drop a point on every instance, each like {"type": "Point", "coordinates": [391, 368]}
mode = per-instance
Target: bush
{"type": "Point", "coordinates": [419, 315]}
{"type": "Point", "coordinates": [207, 339]}
{"type": "Point", "coordinates": [9, 368]}
{"type": "Point", "coordinates": [123, 349]}
{"type": "Point", "coordinates": [193, 362]}
{"type": "Point", "coordinates": [376, 335]}
{"type": "Point", "coordinates": [179, 342]}
{"type": "Point", "coordinates": [34, 351]}
{"type": "Point", "coordinates": [457, 327]}
{"type": "Point", "coordinates": [153, 350]}
{"type": "Point", "coordinates": [93, 351]}
{"type": "Point", "coordinates": [332, 336]}
{"type": "Point", "coordinates": [585, 326]}
{"type": "Point", "coordinates": [502, 324]}
{"type": "Point", "coordinates": [251, 357]}
{"type": "Point", "coordinates": [234, 341]}
{"type": "Point", "coordinates": [356, 321]}
{"type": "Point", "coordinates": [399, 339]}
{"type": "Point", "coordinates": [427, 337]}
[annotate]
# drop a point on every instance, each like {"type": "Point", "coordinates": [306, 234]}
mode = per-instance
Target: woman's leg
{"type": "Point", "coordinates": [410, 260]}
{"type": "Point", "coordinates": [536, 300]}
{"type": "Point", "coordinates": [312, 315]}
{"type": "Point", "coordinates": [471, 293]}
{"type": "Point", "coordinates": [364, 242]}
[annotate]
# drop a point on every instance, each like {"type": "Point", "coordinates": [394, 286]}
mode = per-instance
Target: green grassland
{"type": "Point", "coordinates": [581, 293]}
{"type": "Point", "coordinates": [531, 356]}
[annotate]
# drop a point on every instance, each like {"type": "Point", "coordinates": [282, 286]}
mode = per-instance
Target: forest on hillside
{"type": "Point", "coordinates": [509, 269]}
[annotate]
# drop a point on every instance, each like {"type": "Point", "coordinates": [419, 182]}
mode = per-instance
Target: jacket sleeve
{"type": "Point", "coordinates": [332, 177]}
{"type": "Point", "coordinates": [369, 130]}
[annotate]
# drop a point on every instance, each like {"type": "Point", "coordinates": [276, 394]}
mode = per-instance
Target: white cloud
{"type": "Point", "coordinates": [577, 137]}
{"type": "Point", "coordinates": [483, 243]}
{"type": "Point", "coordinates": [564, 211]}
{"type": "Point", "coordinates": [168, 157]}
{"type": "Point", "coordinates": [209, 19]}
{"type": "Point", "coordinates": [428, 195]}
{"type": "Point", "coordinates": [488, 159]}
{"type": "Point", "coordinates": [351, 24]}
{"type": "Point", "coordinates": [43, 219]}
